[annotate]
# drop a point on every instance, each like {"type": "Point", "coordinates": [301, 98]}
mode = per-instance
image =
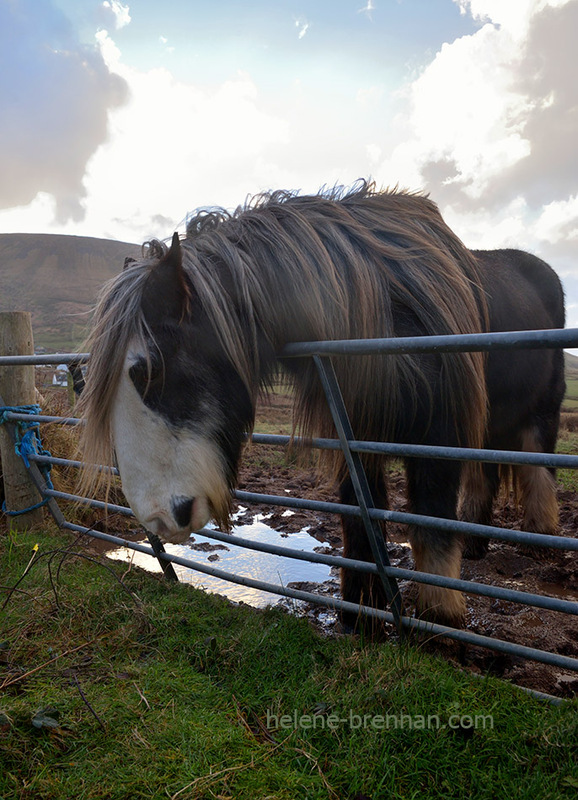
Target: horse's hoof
{"type": "Point", "coordinates": [475, 548]}
{"type": "Point", "coordinates": [360, 625]}
{"type": "Point", "coordinates": [452, 614]}
{"type": "Point", "coordinates": [542, 554]}
{"type": "Point", "coordinates": [348, 625]}
{"type": "Point", "coordinates": [448, 621]}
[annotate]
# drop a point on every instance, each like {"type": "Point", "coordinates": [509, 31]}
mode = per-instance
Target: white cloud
{"type": "Point", "coordinates": [512, 16]}
{"type": "Point", "coordinates": [302, 27]}
{"type": "Point", "coordinates": [374, 153]}
{"type": "Point", "coordinates": [483, 229]}
{"type": "Point", "coordinates": [367, 8]}
{"type": "Point", "coordinates": [175, 146]}
{"type": "Point", "coordinates": [120, 12]}
{"type": "Point", "coordinates": [56, 95]}
{"type": "Point", "coordinates": [558, 221]}
{"type": "Point", "coordinates": [464, 119]}
{"type": "Point", "coordinates": [490, 128]}
{"type": "Point", "coordinates": [165, 42]}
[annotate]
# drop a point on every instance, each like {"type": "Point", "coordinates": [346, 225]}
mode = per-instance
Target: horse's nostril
{"type": "Point", "coordinates": [182, 508]}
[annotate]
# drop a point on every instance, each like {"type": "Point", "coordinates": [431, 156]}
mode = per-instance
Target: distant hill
{"type": "Point", "coordinates": [57, 278]}
{"type": "Point", "coordinates": [571, 363]}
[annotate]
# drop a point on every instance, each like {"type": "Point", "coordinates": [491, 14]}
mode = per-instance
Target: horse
{"type": "Point", "coordinates": [184, 340]}
{"type": "Point", "coordinates": [525, 389]}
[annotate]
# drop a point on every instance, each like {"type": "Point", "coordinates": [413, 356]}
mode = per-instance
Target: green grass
{"type": "Point", "coordinates": [152, 690]}
{"type": "Point", "coordinates": [567, 443]}
{"type": "Point", "coordinates": [571, 397]}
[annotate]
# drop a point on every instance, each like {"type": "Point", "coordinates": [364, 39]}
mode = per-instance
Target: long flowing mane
{"type": "Point", "coordinates": [341, 264]}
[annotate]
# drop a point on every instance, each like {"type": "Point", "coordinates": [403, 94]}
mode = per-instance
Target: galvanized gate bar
{"type": "Point", "coordinates": [488, 531]}
{"type": "Point", "coordinates": [510, 595]}
{"type": "Point", "coordinates": [101, 505]}
{"type": "Point", "coordinates": [448, 343]}
{"type": "Point", "coordinates": [486, 590]}
{"type": "Point", "coordinates": [13, 415]}
{"type": "Point", "coordinates": [360, 484]}
{"type": "Point", "coordinates": [47, 358]}
{"type": "Point", "coordinates": [67, 462]}
{"type": "Point", "coordinates": [557, 460]}
{"type": "Point", "coordinates": [430, 628]}
{"type": "Point", "coordinates": [452, 525]}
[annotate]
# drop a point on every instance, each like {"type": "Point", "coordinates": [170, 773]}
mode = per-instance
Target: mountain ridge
{"type": "Point", "coordinates": [57, 278]}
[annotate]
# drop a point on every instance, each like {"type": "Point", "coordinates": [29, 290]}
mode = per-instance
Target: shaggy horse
{"type": "Point", "coordinates": [184, 340]}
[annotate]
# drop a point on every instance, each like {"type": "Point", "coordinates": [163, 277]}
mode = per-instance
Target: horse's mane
{"type": "Point", "coordinates": [337, 265]}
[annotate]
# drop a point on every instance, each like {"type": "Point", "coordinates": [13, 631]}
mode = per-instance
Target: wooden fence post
{"type": "Point", "coordinates": [17, 388]}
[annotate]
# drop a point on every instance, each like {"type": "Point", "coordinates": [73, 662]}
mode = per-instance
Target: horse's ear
{"type": "Point", "coordinates": [175, 254]}
{"type": "Point", "coordinates": [128, 261]}
{"type": "Point", "coordinates": [168, 293]}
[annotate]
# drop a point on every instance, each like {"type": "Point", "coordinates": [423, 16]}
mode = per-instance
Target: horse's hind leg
{"type": "Point", "coordinates": [432, 490]}
{"type": "Point", "coordinates": [535, 488]}
{"type": "Point", "coordinates": [480, 484]}
{"type": "Point", "coordinates": [536, 485]}
{"type": "Point", "coordinates": [359, 587]}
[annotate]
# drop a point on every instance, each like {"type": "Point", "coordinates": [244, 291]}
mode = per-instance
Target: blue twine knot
{"type": "Point", "coordinates": [27, 443]}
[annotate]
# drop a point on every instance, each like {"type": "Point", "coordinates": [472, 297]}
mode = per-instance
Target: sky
{"type": "Point", "coordinates": [117, 120]}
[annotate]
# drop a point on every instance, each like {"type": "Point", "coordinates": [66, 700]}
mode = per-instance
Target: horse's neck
{"type": "Point", "coordinates": [298, 312]}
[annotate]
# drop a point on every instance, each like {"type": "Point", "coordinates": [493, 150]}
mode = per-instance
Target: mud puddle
{"type": "Point", "coordinates": [274, 569]}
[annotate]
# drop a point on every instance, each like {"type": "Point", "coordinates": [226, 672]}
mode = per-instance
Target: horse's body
{"type": "Point", "coordinates": [183, 341]}
{"type": "Point", "coordinates": [525, 389]}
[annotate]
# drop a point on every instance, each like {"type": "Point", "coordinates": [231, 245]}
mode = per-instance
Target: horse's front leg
{"type": "Point", "coordinates": [480, 484]}
{"type": "Point", "coordinates": [432, 487]}
{"type": "Point", "coordinates": [360, 587]}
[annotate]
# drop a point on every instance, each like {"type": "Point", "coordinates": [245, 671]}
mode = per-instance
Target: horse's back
{"type": "Point", "coordinates": [524, 292]}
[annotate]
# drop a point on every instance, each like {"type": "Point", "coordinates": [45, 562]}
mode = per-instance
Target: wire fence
{"type": "Point", "coordinates": [322, 353]}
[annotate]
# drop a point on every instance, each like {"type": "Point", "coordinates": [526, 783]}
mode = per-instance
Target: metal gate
{"type": "Point", "coordinates": [322, 353]}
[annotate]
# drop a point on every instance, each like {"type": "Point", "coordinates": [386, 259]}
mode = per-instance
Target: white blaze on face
{"type": "Point", "coordinates": [160, 465]}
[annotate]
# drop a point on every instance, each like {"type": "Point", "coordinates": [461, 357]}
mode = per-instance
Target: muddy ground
{"type": "Point", "coordinates": [552, 573]}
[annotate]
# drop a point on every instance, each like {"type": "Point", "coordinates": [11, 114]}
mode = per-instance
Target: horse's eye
{"type": "Point", "coordinates": [144, 375]}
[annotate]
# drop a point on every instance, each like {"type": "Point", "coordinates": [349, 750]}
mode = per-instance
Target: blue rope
{"type": "Point", "coordinates": [27, 443]}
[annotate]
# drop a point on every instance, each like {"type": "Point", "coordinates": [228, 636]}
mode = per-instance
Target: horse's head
{"type": "Point", "coordinates": [180, 410]}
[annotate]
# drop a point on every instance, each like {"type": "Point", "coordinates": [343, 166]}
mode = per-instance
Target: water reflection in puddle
{"type": "Point", "coordinates": [240, 560]}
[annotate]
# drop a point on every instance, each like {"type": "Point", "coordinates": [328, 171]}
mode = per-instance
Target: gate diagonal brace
{"type": "Point", "coordinates": [166, 566]}
{"type": "Point", "coordinates": [360, 483]}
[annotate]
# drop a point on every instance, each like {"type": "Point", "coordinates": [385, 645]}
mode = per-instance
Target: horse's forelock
{"type": "Point", "coordinates": [117, 323]}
